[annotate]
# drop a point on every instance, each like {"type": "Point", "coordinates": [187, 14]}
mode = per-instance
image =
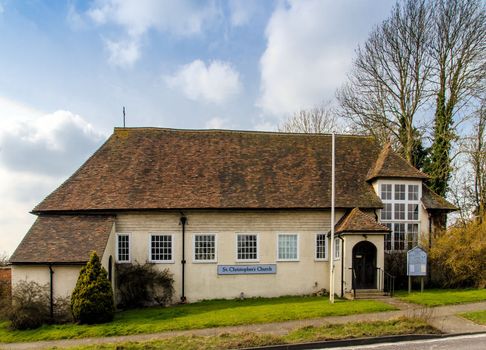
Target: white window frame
{"type": "Point", "coordinates": [337, 251]}
{"type": "Point", "coordinates": [171, 261]}
{"type": "Point", "coordinates": [406, 221]}
{"type": "Point", "coordinates": [257, 246]}
{"type": "Point", "coordinates": [194, 260]}
{"type": "Point", "coordinates": [129, 235]}
{"type": "Point", "coordinates": [326, 251]}
{"type": "Point", "coordinates": [297, 246]}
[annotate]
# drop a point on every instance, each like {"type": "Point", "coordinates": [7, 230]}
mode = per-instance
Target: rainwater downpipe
{"type": "Point", "coordinates": [183, 221]}
{"type": "Point", "coordinates": [51, 292]}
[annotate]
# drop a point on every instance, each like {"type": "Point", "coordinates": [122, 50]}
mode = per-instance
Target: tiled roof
{"type": "Point", "coordinates": [64, 239]}
{"type": "Point", "coordinates": [357, 221]}
{"type": "Point", "coordinates": [152, 168]}
{"type": "Point", "coordinates": [390, 164]}
{"type": "Point", "coordinates": [433, 201]}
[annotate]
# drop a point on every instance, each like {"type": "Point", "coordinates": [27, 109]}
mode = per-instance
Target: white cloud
{"type": "Point", "coordinates": [74, 19]}
{"type": "Point", "coordinates": [37, 151]}
{"type": "Point", "coordinates": [215, 83]}
{"type": "Point", "coordinates": [241, 11]}
{"type": "Point", "coordinates": [2, 10]}
{"type": "Point", "coordinates": [310, 46]}
{"type": "Point", "coordinates": [123, 53]}
{"type": "Point", "coordinates": [137, 17]}
{"type": "Point", "coordinates": [53, 144]}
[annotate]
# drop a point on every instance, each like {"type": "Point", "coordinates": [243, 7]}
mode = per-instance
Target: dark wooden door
{"type": "Point", "coordinates": [364, 265]}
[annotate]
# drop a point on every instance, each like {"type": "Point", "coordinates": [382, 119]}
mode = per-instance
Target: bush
{"type": "Point", "coordinates": [396, 265]}
{"type": "Point", "coordinates": [143, 285]}
{"type": "Point", "coordinates": [30, 305]}
{"type": "Point", "coordinates": [458, 256]}
{"type": "Point", "coordinates": [92, 298]}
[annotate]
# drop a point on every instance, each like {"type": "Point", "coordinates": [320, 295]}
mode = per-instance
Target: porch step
{"type": "Point", "coordinates": [370, 294]}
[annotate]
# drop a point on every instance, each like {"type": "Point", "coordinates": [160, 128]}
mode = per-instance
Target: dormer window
{"type": "Point", "coordinates": [401, 214]}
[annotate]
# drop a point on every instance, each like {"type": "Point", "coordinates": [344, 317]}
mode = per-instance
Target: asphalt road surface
{"type": "Point", "coordinates": [469, 342]}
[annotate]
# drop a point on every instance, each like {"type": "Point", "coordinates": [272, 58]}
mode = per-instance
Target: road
{"type": "Point", "coordinates": [469, 342]}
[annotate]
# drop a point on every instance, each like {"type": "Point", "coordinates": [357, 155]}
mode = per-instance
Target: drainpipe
{"type": "Point", "coordinates": [429, 272]}
{"type": "Point", "coordinates": [51, 291]}
{"type": "Point", "coordinates": [342, 265]}
{"type": "Point", "coordinates": [183, 222]}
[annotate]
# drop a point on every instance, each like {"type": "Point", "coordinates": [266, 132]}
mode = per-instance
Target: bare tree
{"type": "Point", "coordinates": [457, 51]}
{"type": "Point", "coordinates": [3, 259]}
{"type": "Point", "coordinates": [477, 156]}
{"type": "Point", "coordinates": [387, 84]}
{"type": "Point", "coordinates": [317, 120]}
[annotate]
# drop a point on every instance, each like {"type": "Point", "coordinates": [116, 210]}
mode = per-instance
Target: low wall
{"type": "Point", "coordinates": [5, 282]}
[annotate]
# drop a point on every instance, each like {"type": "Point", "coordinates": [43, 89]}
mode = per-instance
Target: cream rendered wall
{"type": "Point", "coordinates": [202, 281]}
{"type": "Point", "coordinates": [350, 241]}
{"type": "Point", "coordinates": [64, 278]}
{"type": "Point", "coordinates": [110, 251]}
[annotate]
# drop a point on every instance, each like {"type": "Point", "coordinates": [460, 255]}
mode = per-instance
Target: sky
{"type": "Point", "coordinates": [67, 68]}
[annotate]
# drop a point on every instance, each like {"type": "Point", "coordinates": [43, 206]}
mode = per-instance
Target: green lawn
{"type": "Point", "coordinates": [438, 297]}
{"type": "Point", "coordinates": [306, 334]}
{"type": "Point", "coordinates": [204, 314]}
{"type": "Point", "coordinates": [477, 316]}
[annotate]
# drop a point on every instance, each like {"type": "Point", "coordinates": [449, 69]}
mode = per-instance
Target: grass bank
{"type": "Point", "coordinates": [306, 334]}
{"type": "Point", "coordinates": [439, 297]}
{"type": "Point", "coordinates": [206, 314]}
{"type": "Point", "coordinates": [478, 317]}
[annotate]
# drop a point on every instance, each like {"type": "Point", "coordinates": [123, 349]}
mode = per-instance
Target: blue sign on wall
{"type": "Point", "coordinates": [260, 269]}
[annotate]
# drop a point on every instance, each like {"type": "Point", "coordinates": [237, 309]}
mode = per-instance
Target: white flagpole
{"type": "Point", "coordinates": [331, 259]}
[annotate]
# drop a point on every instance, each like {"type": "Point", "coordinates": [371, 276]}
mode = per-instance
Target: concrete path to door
{"type": "Point", "coordinates": [443, 317]}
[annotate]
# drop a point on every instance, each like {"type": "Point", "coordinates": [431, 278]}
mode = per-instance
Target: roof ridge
{"type": "Point", "coordinates": [232, 131]}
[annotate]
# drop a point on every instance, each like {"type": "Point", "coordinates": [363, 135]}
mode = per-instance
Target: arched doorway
{"type": "Point", "coordinates": [364, 265]}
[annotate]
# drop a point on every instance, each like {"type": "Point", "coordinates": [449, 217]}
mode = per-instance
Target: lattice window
{"type": "Point", "coordinates": [321, 247]}
{"type": "Point", "coordinates": [161, 248]}
{"type": "Point", "coordinates": [247, 247]}
{"type": "Point", "coordinates": [123, 247]}
{"type": "Point", "coordinates": [205, 248]}
{"type": "Point", "coordinates": [288, 247]}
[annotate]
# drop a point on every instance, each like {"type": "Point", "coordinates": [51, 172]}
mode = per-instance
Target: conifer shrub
{"type": "Point", "coordinates": [143, 285]}
{"type": "Point", "coordinates": [92, 298]}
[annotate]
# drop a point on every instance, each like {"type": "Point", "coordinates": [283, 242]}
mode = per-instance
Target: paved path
{"type": "Point", "coordinates": [442, 317]}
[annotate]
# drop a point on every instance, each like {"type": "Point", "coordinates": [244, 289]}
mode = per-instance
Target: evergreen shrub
{"type": "Point", "coordinates": [92, 298]}
{"type": "Point", "coordinates": [143, 285]}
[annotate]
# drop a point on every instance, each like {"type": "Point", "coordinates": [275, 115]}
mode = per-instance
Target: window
{"type": "Point", "coordinates": [288, 247]}
{"type": "Point", "coordinates": [321, 247]}
{"type": "Point", "coordinates": [247, 247]}
{"type": "Point", "coordinates": [161, 248]}
{"type": "Point", "coordinates": [413, 192]}
{"type": "Point", "coordinates": [386, 191]}
{"type": "Point", "coordinates": [205, 248]}
{"type": "Point", "coordinates": [399, 192]}
{"type": "Point", "coordinates": [123, 247]}
{"type": "Point", "coordinates": [337, 248]}
{"type": "Point", "coordinates": [400, 213]}
{"type": "Point", "coordinates": [386, 212]}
